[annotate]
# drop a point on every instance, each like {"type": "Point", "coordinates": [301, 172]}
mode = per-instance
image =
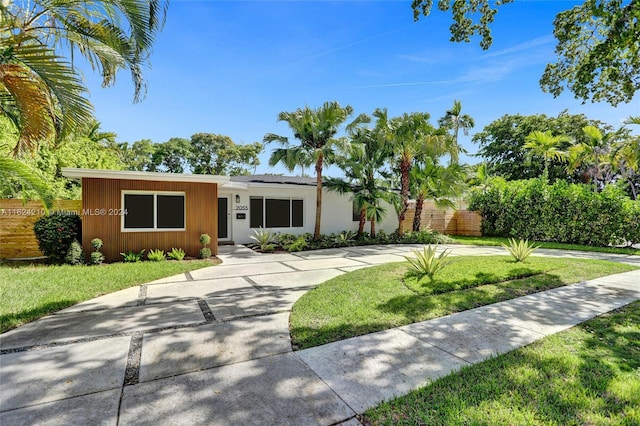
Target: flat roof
{"type": "Point", "coordinates": [75, 173]}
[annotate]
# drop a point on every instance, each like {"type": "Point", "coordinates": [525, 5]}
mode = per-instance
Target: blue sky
{"type": "Point", "coordinates": [230, 67]}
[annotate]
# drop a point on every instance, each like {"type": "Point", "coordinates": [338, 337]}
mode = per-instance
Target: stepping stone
{"type": "Point", "coordinates": [119, 299]}
{"type": "Point", "coordinates": [166, 293]}
{"type": "Point", "coordinates": [224, 271]}
{"type": "Point", "coordinates": [294, 280]}
{"type": "Point", "coordinates": [327, 263]}
{"type": "Point", "coordinates": [228, 307]}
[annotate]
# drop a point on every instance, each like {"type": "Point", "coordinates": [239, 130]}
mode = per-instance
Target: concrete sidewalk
{"type": "Point", "coordinates": [212, 346]}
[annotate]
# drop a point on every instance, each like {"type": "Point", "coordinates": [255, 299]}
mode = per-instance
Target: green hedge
{"type": "Point", "coordinates": [560, 212]}
{"type": "Point", "coordinates": [55, 233]}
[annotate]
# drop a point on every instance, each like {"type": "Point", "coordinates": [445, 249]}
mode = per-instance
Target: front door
{"type": "Point", "coordinates": [223, 219]}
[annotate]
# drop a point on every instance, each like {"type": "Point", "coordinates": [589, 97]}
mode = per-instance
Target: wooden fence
{"type": "Point", "coordinates": [446, 221]}
{"type": "Point", "coordinates": [17, 239]}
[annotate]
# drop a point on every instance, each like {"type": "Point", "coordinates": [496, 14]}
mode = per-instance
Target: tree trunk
{"type": "Point", "coordinates": [363, 219]}
{"type": "Point", "coordinates": [417, 218]}
{"type": "Point", "coordinates": [316, 230]}
{"type": "Point", "coordinates": [404, 193]}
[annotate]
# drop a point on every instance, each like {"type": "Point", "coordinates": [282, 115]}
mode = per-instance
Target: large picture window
{"type": "Point", "coordinates": [275, 212]}
{"type": "Point", "coordinates": [153, 211]}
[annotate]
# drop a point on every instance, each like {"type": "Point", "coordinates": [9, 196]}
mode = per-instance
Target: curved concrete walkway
{"type": "Point", "coordinates": [212, 346]}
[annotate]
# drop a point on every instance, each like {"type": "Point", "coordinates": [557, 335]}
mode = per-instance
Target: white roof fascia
{"type": "Point", "coordinates": [74, 173]}
{"type": "Point", "coordinates": [235, 185]}
{"type": "Point", "coordinates": [279, 186]}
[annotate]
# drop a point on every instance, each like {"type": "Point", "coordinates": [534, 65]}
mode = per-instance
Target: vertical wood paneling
{"type": "Point", "coordinates": [105, 195]}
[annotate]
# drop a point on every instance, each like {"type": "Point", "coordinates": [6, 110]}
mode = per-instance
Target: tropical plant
{"type": "Point", "coordinates": [299, 244]}
{"type": "Point", "coordinates": [263, 238]}
{"type": "Point", "coordinates": [42, 93]}
{"type": "Point", "coordinates": [545, 145]}
{"type": "Point", "coordinates": [176, 254]}
{"type": "Point", "coordinates": [454, 120]}
{"type": "Point", "coordinates": [520, 249]}
{"type": "Point", "coordinates": [426, 263]}
{"type": "Point", "coordinates": [156, 255]}
{"type": "Point", "coordinates": [316, 130]}
{"type": "Point", "coordinates": [13, 169]}
{"type": "Point", "coordinates": [132, 256]}
{"type": "Point", "coordinates": [594, 156]}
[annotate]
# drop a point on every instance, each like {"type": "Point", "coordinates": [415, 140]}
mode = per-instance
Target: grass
{"type": "Point", "coordinates": [31, 291]}
{"type": "Point", "coordinates": [382, 297]}
{"type": "Point", "coordinates": [497, 241]}
{"type": "Point", "coordinates": [588, 375]}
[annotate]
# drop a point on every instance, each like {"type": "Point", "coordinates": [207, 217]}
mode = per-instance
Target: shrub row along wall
{"type": "Point", "coordinates": [17, 239]}
{"type": "Point", "coordinates": [560, 212]}
{"type": "Point", "coordinates": [446, 221]}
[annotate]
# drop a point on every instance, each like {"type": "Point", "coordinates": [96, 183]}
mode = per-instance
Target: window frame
{"type": "Point", "coordinates": [264, 210]}
{"type": "Point", "coordinates": [155, 210]}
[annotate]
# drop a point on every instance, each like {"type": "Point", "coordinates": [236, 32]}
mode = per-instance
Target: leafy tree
{"type": "Point", "coordinates": [172, 156]}
{"type": "Point", "coordinates": [218, 155]}
{"type": "Point", "coordinates": [502, 144]}
{"type": "Point", "coordinates": [42, 93]}
{"type": "Point", "coordinates": [598, 45]}
{"type": "Point", "coordinates": [593, 155]}
{"type": "Point", "coordinates": [316, 130]}
{"type": "Point", "coordinates": [455, 120]}
{"type": "Point", "coordinates": [137, 156]}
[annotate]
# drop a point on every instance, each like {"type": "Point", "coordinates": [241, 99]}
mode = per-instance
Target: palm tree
{"type": "Point", "coordinates": [595, 155]}
{"type": "Point", "coordinates": [316, 130]}
{"type": "Point", "coordinates": [42, 93]}
{"type": "Point", "coordinates": [545, 145]}
{"type": "Point", "coordinates": [626, 159]}
{"type": "Point", "coordinates": [431, 180]}
{"type": "Point", "coordinates": [363, 166]}
{"type": "Point", "coordinates": [454, 120]}
{"type": "Point", "coordinates": [14, 169]}
{"type": "Point", "coordinates": [410, 136]}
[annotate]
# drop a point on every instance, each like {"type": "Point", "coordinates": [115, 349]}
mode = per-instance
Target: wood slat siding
{"type": "Point", "coordinates": [446, 221]}
{"type": "Point", "coordinates": [201, 217]}
{"type": "Point", "coordinates": [17, 239]}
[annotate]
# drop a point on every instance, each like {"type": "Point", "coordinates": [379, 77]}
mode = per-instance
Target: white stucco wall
{"type": "Point", "coordinates": [336, 210]}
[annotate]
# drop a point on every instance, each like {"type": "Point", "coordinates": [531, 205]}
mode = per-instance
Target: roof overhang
{"type": "Point", "coordinates": [74, 173]}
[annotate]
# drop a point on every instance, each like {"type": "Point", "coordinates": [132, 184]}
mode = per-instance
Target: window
{"type": "Point", "coordinates": [276, 213]}
{"type": "Point", "coordinates": [355, 211]}
{"type": "Point", "coordinates": [153, 211]}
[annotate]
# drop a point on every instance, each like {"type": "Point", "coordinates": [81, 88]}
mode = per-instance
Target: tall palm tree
{"type": "Point", "coordinates": [431, 180]}
{"type": "Point", "coordinates": [364, 175]}
{"type": "Point", "coordinates": [42, 93]}
{"type": "Point", "coordinates": [626, 159]}
{"type": "Point", "coordinates": [316, 130]}
{"type": "Point", "coordinates": [547, 146]}
{"type": "Point", "coordinates": [410, 136]}
{"type": "Point", "coordinates": [455, 120]}
{"type": "Point", "coordinates": [594, 154]}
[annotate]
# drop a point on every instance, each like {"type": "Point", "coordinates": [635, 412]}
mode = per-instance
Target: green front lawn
{"type": "Point", "coordinates": [379, 298]}
{"type": "Point", "coordinates": [588, 375]}
{"type": "Point", "coordinates": [29, 292]}
{"type": "Point", "coordinates": [497, 241]}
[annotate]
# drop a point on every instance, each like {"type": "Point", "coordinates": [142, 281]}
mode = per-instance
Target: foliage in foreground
{"type": "Point", "coordinates": [426, 263]}
{"type": "Point", "coordinates": [585, 375]}
{"type": "Point", "coordinates": [28, 292]}
{"type": "Point", "coordinates": [519, 250]}
{"type": "Point", "coordinates": [382, 297]}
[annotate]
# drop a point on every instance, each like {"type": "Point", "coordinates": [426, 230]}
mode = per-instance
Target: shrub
{"type": "Point", "coordinates": [520, 250]}
{"type": "Point", "coordinates": [96, 243]}
{"type": "Point", "coordinates": [562, 212]}
{"type": "Point", "coordinates": [176, 254]}
{"type": "Point", "coordinates": [298, 245]}
{"type": "Point", "coordinates": [426, 262]}
{"type": "Point", "coordinates": [96, 258]}
{"type": "Point", "coordinates": [156, 255]}
{"type": "Point", "coordinates": [132, 257]}
{"type": "Point", "coordinates": [74, 256]}
{"type": "Point", "coordinates": [263, 238]}
{"type": "Point", "coordinates": [205, 239]}
{"type": "Point", "coordinates": [205, 253]}
{"type": "Point", "coordinates": [55, 233]}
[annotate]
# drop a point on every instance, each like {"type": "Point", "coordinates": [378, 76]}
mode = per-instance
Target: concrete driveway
{"type": "Point", "coordinates": [212, 346]}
